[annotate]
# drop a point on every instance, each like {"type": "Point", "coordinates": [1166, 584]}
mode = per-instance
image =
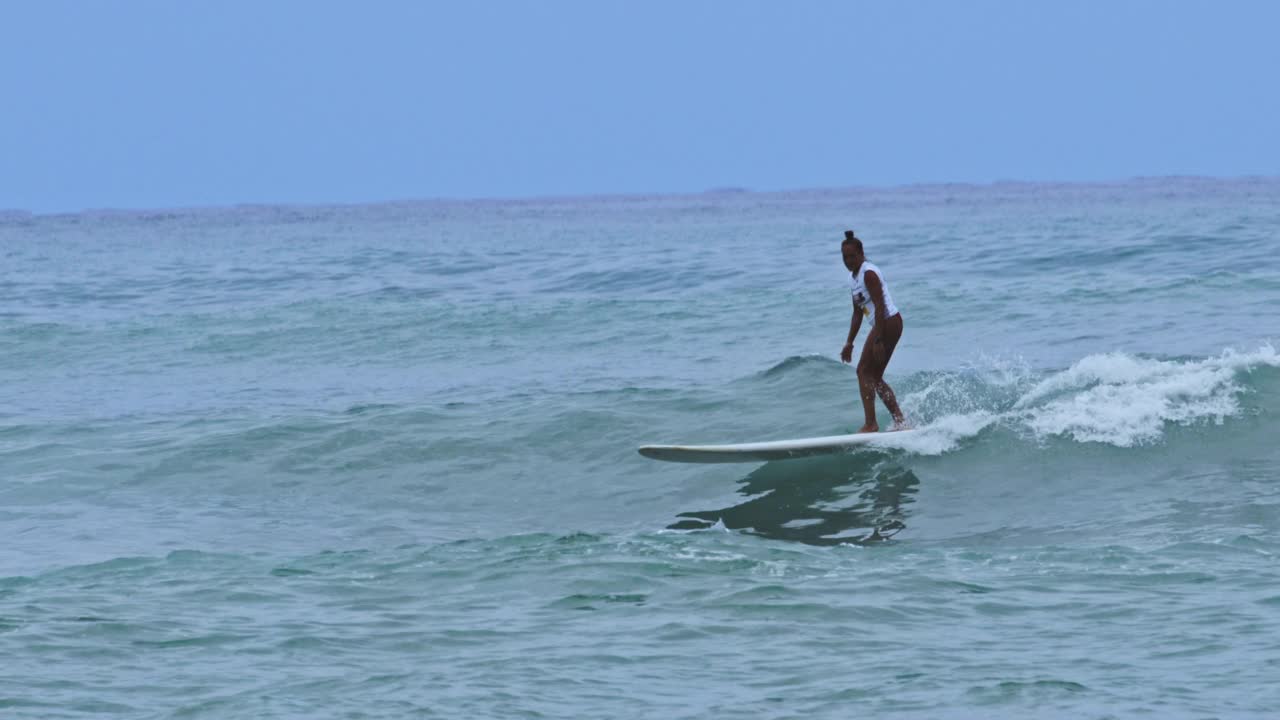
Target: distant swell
{"type": "Point", "coordinates": [794, 363]}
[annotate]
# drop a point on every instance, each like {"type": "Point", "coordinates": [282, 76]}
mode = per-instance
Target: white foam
{"type": "Point", "coordinates": [1125, 401]}
{"type": "Point", "coordinates": [940, 436]}
{"type": "Point", "coordinates": [953, 407]}
{"type": "Point", "coordinates": [1112, 398]}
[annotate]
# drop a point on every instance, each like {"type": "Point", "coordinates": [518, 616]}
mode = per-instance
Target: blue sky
{"type": "Point", "coordinates": [147, 104]}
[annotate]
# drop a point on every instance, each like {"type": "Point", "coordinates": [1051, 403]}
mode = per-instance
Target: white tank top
{"type": "Point", "coordinates": [862, 296]}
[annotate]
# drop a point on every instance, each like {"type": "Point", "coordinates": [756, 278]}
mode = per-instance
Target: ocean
{"type": "Point", "coordinates": [380, 461]}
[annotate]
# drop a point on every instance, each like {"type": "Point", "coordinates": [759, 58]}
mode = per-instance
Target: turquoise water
{"type": "Point", "coordinates": [379, 461]}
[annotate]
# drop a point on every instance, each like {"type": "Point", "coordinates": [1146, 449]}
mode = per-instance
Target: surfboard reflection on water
{"type": "Point", "coordinates": [830, 500]}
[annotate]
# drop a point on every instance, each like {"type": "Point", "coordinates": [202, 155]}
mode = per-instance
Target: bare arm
{"type": "Point", "coordinates": [855, 324]}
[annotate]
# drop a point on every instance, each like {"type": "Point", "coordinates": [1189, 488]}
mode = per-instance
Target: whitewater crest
{"type": "Point", "coordinates": [1112, 398]}
{"type": "Point", "coordinates": [1125, 401]}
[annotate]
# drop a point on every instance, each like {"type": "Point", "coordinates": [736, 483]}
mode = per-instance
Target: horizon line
{"type": "Point", "coordinates": [570, 197]}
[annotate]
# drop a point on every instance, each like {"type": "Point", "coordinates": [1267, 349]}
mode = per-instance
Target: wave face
{"type": "Point", "coordinates": [380, 460]}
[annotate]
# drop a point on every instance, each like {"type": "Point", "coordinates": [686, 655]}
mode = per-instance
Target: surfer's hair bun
{"type": "Point", "coordinates": [851, 239]}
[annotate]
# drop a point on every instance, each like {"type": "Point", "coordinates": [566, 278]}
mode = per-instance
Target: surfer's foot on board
{"type": "Point", "coordinates": [869, 428]}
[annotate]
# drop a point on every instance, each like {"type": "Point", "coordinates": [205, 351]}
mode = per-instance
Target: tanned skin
{"type": "Point", "coordinates": [878, 349]}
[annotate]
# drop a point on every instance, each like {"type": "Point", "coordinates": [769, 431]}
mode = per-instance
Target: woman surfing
{"type": "Point", "coordinates": [871, 299]}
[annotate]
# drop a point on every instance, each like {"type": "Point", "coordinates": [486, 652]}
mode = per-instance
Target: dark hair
{"type": "Point", "coordinates": [850, 239]}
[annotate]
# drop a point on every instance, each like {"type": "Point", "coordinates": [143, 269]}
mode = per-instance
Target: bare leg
{"type": "Point", "coordinates": [891, 402]}
{"type": "Point", "coordinates": [870, 377]}
{"type": "Point", "coordinates": [866, 387]}
{"type": "Point", "coordinates": [875, 358]}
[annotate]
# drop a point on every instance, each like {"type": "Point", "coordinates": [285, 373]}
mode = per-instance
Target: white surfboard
{"type": "Point", "coordinates": [762, 451]}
